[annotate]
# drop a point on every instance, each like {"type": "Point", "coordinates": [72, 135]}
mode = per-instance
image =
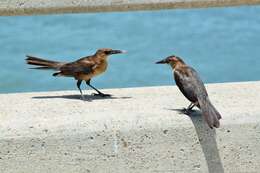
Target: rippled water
{"type": "Point", "coordinates": [221, 43]}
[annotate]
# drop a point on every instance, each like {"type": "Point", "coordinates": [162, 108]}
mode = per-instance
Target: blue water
{"type": "Point", "coordinates": [221, 43]}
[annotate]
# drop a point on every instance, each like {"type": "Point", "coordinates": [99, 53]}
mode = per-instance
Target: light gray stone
{"type": "Point", "coordinates": [138, 130]}
{"type": "Point", "coordinates": [31, 7]}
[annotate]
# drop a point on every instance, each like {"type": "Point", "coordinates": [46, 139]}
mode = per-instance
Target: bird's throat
{"type": "Point", "coordinates": [176, 65]}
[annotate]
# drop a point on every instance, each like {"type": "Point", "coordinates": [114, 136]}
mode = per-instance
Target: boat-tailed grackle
{"type": "Point", "coordinates": [192, 87]}
{"type": "Point", "coordinates": [83, 69]}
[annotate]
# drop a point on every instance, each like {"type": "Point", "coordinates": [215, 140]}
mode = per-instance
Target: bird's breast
{"type": "Point", "coordinates": [100, 68]}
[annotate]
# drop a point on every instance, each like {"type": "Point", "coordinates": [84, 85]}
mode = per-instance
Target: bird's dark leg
{"type": "Point", "coordinates": [189, 108]}
{"type": "Point", "coordinates": [99, 92]}
{"type": "Point", "coordinates": [78, 85]}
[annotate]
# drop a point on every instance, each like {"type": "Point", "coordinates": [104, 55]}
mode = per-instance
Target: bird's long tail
{"type": "Point", "coordinates": [209, 112]}
{"type": "Point", "coordinates": [43, 64]}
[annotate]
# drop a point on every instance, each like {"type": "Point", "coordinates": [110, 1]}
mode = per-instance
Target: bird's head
{"type": "Point", "coordinates": [105, 52]}
{"type": "Point", "coordinates": [172, 61]}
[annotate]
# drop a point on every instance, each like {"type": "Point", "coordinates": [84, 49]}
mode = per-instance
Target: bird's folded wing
{"type": "Point", "coordinates": [189, 83]}
{"type": "Point", "coordinates": [76, 67]}
{"type": "Point", "coordinates": [197, 83]}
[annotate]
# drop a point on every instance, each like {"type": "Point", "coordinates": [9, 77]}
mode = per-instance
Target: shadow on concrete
{"type": "Point", "coordinates": [78, 97]}
{"type": "Point", "coordinates": [207, 139]}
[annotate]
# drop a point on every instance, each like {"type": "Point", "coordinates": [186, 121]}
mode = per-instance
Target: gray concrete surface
{"type": "Point", "coordinates": [31, 7]}
{"type": "Point", "coordinates": [137, 130]}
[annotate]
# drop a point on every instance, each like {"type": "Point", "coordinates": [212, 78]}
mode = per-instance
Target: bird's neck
{"type": "Point", "coordinates": [177, 65]}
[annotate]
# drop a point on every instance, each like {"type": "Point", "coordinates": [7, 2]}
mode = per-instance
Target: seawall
{"type": "Point", "coordinates": [137, 130]}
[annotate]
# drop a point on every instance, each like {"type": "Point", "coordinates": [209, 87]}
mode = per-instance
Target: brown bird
{"type": "Point", "coordinates": [192, 87]}
{"type": "Point", "coordinates": [83, 69]}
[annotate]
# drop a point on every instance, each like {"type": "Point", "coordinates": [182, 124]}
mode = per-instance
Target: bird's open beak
{"type": "Point", "coordinates": [117, 51]}
{"type": "Point", "coordinates": [162, 62]}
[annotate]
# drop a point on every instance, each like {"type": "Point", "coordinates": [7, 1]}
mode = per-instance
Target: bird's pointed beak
{"type": "Point", "coordinates": [117, 51]}
{"type": "Point", "coordinates": [162, 62]}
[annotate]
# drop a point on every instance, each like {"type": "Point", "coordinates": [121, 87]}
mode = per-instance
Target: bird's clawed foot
{"type": "Point", "coordinates": [83, 98]}
{"type": "Point", "coordinates": [187, 111]}
{"type": "Point", "coordinates": [101, 95]}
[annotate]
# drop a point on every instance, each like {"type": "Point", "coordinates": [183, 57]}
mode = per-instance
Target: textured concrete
{"type": "Point", "coordinates": [138, 130]}
{"type": "Point", "coordinates": [29, 7]}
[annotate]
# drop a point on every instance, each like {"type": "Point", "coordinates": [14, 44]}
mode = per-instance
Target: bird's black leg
{"type": "Point", "coordinates": [99, 92]}
{"type": "Point", "coordinates": [190, 106]}
{"type": "Point", "coordinates": [78, 85]}
{"type": "Point", "coordinates": [189, 109]}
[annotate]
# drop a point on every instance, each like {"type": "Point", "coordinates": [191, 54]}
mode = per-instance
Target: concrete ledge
{"type": "Point", "coordinates": [136, 131]}
{"type": "Point", "coordinates": [30, 7]}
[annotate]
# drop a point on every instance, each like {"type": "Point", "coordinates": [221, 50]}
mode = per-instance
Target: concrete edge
{"type": "Point", "coordinates": [16, 7]}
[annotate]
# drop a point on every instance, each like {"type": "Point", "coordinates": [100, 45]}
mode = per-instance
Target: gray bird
{"type": "Point", "coordinates": [192, 87]}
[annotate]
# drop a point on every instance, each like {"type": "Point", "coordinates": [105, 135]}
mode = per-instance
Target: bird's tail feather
{"type": "Point", "coordinates": [42, 63]}
{"type": "Point", "coordinates": [209, 112]}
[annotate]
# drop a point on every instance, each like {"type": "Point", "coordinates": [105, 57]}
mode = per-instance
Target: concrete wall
{"type": "Point", "coordinates": [137, 130]}
{"type": "Point", "coordinates": [29, 7]}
